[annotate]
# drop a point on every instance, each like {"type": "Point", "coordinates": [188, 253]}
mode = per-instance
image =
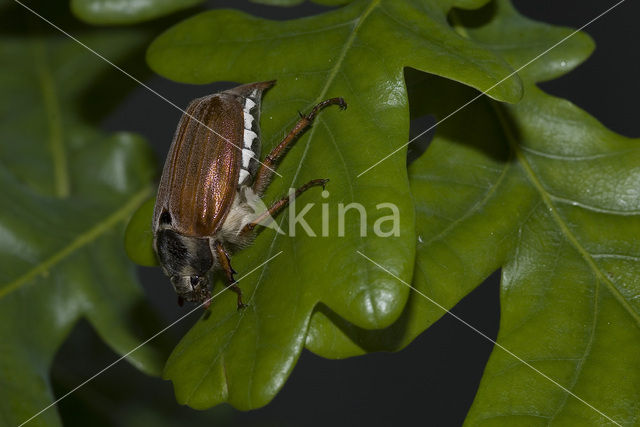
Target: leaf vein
{"type": "Point", "coordinates": [585, 354]}
{"type": "Point", "coordinates": [490, 191]}
{"type": "Point", "coordinates": [54, 119]}
{"type": "Point", "coordinates": [82, 240]}
{"type": "Point", "coordinates": [558, 219]}
{"type": "Point", "coordinates": [579, 158]}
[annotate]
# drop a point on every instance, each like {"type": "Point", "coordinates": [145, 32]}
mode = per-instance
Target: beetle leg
{"type": "Point", "coordinates": [278, 205]}
{"type": "Point", "coordinates": [225, 261]}
{"type": "Point", "coordinates": [263, 176]}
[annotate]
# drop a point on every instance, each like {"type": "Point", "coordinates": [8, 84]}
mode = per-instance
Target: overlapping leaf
{"type": "Point", "coordinates": [109, 12]}
{"type": "Point", "coordinates": [542, 190]}
{"type": "Point", "coordinates": [358, 52]}
{"type": "Point", "coordinates": [106, 12]}
{"type": "Point", "coordinates": [67, 192]}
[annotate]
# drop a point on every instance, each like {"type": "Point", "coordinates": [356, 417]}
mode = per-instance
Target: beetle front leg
{"type": "Point", "coordinates": [263, 176]}
{"type": "Point", "coordinates": [225, 261]}
{"type": "Point", "coordinates": [275, 208]}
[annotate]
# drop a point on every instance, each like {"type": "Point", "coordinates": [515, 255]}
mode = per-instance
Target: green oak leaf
{"type": "Point", "coordinates": [138, 237]}
{"type": "Point", "coordinates": [358, 52]}
{"type": "Point", "coordinates": [109, 12]}
{"type": "Point", "coordinates": [544, 191]}
{"type": "Point", "coordinates": [67, 192]}
{"type": "Point", "coordinates": [440, 97]}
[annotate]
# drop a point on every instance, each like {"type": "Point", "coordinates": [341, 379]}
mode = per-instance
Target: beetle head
{"type": "Point", "coordinates": [191, 288]}
{"type": "Point", "coordinates": [186, 260]}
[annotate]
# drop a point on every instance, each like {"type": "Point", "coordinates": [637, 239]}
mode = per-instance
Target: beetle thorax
{"type": "Point", "coordinates": [183, 255]}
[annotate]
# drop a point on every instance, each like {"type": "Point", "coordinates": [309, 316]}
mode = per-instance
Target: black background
{"type": "Point", "coordinates": [431, 382]}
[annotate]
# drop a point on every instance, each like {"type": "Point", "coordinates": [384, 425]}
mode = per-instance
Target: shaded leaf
{"type": "Point", "coordinates": [138, 238]}
{"type": "Point", "coordinates": [67, 193]}
{"type": "Point", "coordinates": [108, 12]}
{"type": "Point", "coordinates": [297, 2]}
{"type": "Point", "coordinates": [544, 191]}
{"type": "Point", "coordinates": [245, 357]}
{"type": "Point", "coordinates": [279, 2]}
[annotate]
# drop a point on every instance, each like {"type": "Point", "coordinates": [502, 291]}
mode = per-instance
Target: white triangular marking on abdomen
{"type": "Point", "coordinates": [249, 136]}
{"type": "Point", "coordinates": [248, 120]}
{"type": "Point", "coordinates": [248, 105]}
{"type": "Point", "coordinates": [246, 157]}
{"type": "Point", "coordinates": [243, 175]}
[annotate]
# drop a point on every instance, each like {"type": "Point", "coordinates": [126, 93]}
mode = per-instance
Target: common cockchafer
{"type": "Point", "coordinates": [211, 188]}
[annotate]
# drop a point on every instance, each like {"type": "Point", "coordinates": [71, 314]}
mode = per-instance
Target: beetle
{"type": "Point", "coordinates": [211, 185]}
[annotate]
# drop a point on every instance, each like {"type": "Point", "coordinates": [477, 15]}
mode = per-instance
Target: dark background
{"type": "Point", "coordinates": [433, 381]}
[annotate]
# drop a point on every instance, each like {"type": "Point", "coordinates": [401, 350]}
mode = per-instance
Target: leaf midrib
{"type": "Point", "coordinates": [330, 78]}
{"type": "Point", "coordinates": [546, 197]}
{"type": "Point", "coordinates": [346, 47]}
{"type": "Point", "coordinates": [53, 117]}
{"type": "Point", "coordinates": [80, 241]}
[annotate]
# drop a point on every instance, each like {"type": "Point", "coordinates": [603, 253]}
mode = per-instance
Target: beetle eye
{"type": "Point", "coordinates": [194, 280]}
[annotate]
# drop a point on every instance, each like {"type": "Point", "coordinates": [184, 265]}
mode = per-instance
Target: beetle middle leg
{"type": "Point", "coordinates": [263, 176]}
{"type": "Point", "coordinates": [279, 204]}
{"type": "Point", "coordinates": [225, 261]}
